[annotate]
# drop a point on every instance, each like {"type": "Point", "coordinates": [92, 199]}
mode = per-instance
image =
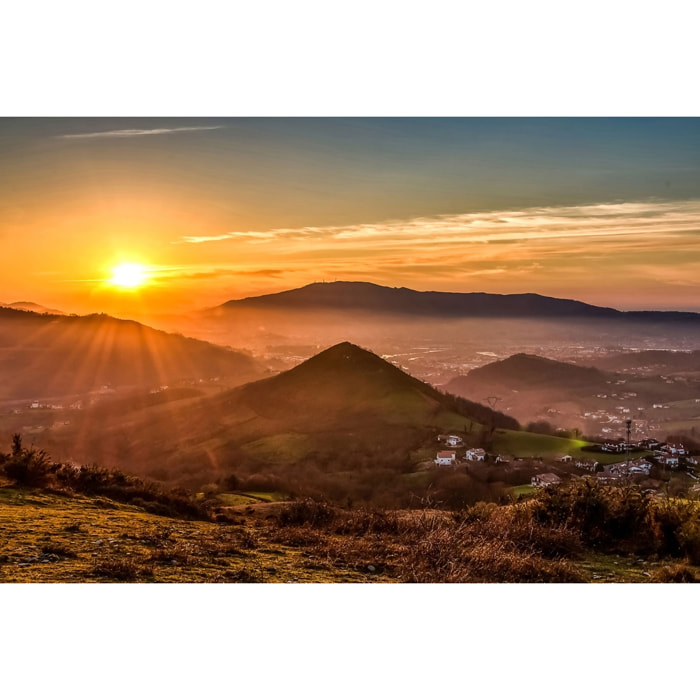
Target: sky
{"type": "Point", "coordinates": [604, 210]}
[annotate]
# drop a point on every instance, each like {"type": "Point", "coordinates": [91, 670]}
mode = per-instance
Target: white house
{"type": "Point", "coordinates": [476, 454]}
{"type": "Point", "coordinates": [614, 446]}
{"type": "Point", "coordinates": [453, 440]}
{"type": "Point", "coordinates": [545, 480]}
{"type": "Point", "coordinates": [445, 458]}
{"type": "Point", "coordinates": [637, 466]}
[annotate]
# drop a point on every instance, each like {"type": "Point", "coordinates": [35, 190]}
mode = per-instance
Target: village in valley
{"type": "Point", "coordinates": [652, 464]}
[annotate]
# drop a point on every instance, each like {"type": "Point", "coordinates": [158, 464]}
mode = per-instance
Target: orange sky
{"type": "Point", "coordinates": [605, 211]}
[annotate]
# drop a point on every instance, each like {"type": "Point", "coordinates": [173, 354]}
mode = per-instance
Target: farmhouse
{"type": "Point", "coordinates": [445, 458]}
{"type": "Point", "coordinates": [545, 480]}
{"type": "Point", "coordinates": [637, 466]}
{"type": "Point", "coordinates": [476, 454]}
{"type": "Point", "coordinates": [453, 440]}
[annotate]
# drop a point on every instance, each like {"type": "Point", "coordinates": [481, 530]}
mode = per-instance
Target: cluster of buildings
{"type": "Point", "coordinates": [670, 455]}
{"type": "Point", "coordinates": [449, 458]}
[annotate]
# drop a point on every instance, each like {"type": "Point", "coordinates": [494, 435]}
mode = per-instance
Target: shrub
{"type": "Point", "coordinates": [306, 512]}
{"type": "Point", "coordinates": [122, 570]}
{"type": "Point", "coordinates": [27, 467]}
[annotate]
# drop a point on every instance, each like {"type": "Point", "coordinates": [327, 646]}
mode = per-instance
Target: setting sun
{"type": "Point", "coordinates": [129, 275]}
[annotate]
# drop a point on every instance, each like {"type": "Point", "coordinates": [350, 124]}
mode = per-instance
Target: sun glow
{"type": "Point", "coordinates": [129, 276]}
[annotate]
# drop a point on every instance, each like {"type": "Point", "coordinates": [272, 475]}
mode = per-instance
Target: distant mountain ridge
{"type": "Point", "coordinates": [31, 306]}
{"type": "Point", "coordinates": [369, 297]}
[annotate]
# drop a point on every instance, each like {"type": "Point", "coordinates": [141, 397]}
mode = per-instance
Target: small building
{"type": "Point", "coordinates": [446, 458]}
{"type": "Point", "coordinates": [540, 480]}
{"type": "Point", "coordinates": [476, 454]}
{"type": "Point", "coordinates": [614, 446]}
{"type": "Point", "coordinates": [453, 440]}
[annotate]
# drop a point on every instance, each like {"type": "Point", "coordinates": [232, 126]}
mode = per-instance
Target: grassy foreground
{"type": "Point", "coordinates": [54, 537]}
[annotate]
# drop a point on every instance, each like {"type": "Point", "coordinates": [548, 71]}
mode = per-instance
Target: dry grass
{"type": "Point", "coordinates": [56, 537]}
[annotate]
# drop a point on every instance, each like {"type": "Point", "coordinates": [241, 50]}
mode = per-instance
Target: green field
{"type": "Point", "coordinates": [245, 498]}
{"type": "Point", "coordinates": [522, 490]}
{"type": "Point", "coordinates": [522, 444]}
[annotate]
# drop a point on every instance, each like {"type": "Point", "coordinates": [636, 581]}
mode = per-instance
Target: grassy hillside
{"type": "Point", "coordinates": [344, 408]}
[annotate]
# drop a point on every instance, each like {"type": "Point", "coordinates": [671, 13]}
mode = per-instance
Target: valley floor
{"type": "Point", "coordinates": [48, 537]}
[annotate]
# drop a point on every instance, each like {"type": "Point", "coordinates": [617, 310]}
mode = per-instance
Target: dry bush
{"type": "Point", "coordinates": [59, 550]}
{"type": "Point", "coordinates": [297, 536]}
{"type": "Point", "coordinates": [362, 522]}
{"type": "Point", "coordinates": [676, 573]}
{"type": "Point", "coordinates": [306, 512]}
{"type": "Point", "coordinates": [122, 570]}
{"type": "Point", "coordinates": [178, 555]}
{"type": "Point", "coordinates": [458, 554]}
{"type": "Point", "coordinates": [516, 526]}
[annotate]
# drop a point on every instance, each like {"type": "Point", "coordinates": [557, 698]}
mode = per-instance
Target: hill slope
{"type": "Point", "coordinates": [341, 409]}
{"type": "Point", "coordinates": [43, 355]}
{"type": "Point", "coordinates": [533, 388]}
{"type": "Point", "coordinates": [347, 380]}
{"type": "Point", "coordinates": [523, 372]}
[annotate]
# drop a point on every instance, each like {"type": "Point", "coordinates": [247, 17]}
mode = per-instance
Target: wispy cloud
{"type": "Point", "coordinates": [240, 235]}
{"type": "Point", "coordinates": [627, 219]}
{"type": "Point", "coordinates": [131, 133]}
